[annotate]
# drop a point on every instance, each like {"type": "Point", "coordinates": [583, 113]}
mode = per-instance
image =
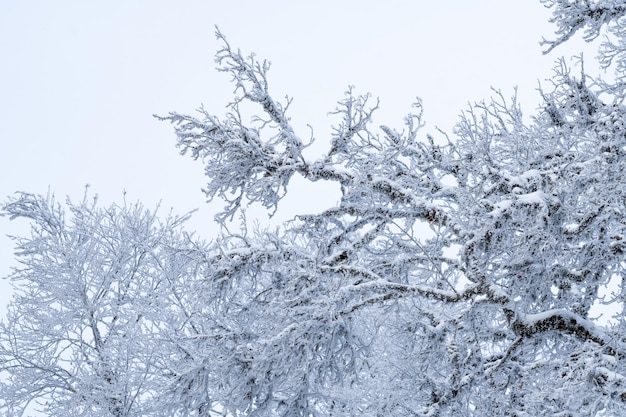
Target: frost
{"type": "Point", "coordinates": [453, 277]}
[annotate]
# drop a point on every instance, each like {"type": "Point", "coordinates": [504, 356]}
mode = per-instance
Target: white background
{"type": "Point", "coordinates": [80, 80]}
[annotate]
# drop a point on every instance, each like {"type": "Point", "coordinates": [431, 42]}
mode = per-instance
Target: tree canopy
{"type": "Point", "coordinates": [456, 276]}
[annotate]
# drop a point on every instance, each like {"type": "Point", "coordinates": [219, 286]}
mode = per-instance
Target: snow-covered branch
{"type": "Point", "coordinates": [572, 16]}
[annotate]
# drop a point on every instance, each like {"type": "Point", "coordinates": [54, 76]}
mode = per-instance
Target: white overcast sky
{"type": "Point", "coordinates": [80, 80]}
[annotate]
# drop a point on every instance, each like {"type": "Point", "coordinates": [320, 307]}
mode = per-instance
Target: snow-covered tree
{"type": "Point", "coordinates": [456, 277]}
{"type": "Point", "coordinates": [95, 296]}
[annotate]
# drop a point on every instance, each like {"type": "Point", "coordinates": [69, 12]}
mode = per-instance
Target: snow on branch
{"type": "Point", "coordinates": [572, 16]}
{"type": "Point", "coordinates": [564, 321]}
{"type": "Point", "coordinates": [239, 161]}
{"type": "Point", "coordinates": [250, 78]}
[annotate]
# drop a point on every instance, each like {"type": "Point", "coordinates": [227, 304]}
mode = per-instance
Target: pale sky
{"type": "Point", "coordinates": [80, 80]}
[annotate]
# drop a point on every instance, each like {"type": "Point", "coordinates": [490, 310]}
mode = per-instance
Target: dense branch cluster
{"type": "Point", "coordinates": [453, 278]}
